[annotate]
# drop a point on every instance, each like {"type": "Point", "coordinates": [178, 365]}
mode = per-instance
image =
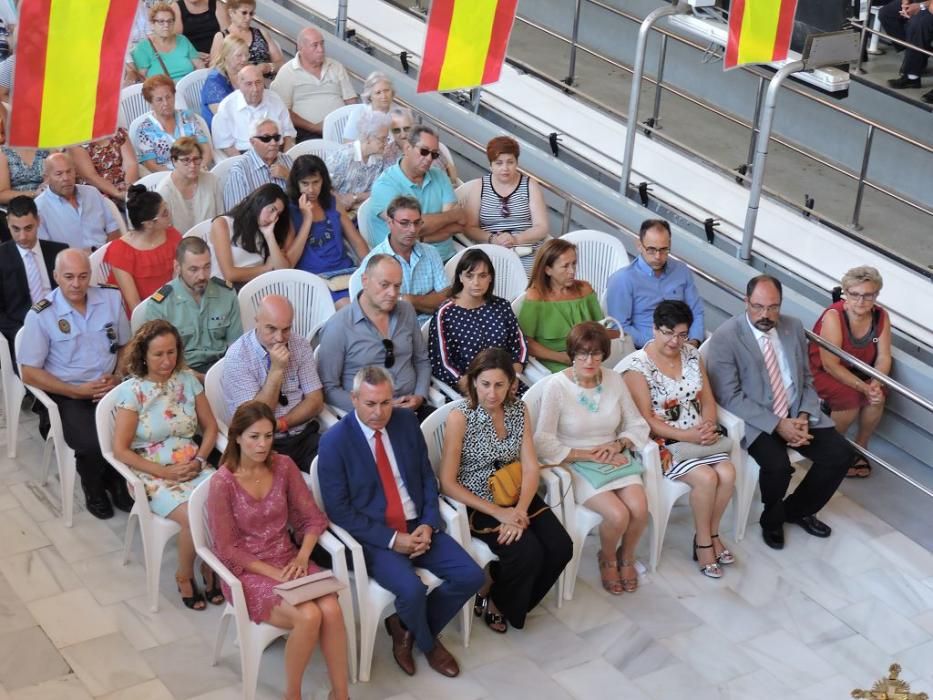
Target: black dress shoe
{"type": "Point", "coordinates": [773, 537]}
{"type": "Point", "coordinates": [903, 82]}
{"type": "Point", "coordinates": [813, 525]}
{"type": "Point", "coordinates": [120, 496]}
{"type": "Point", "coordinates": [99, 506]}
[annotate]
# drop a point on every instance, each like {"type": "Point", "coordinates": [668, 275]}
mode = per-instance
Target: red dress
{"type": "Point", "coordinates": [837, 395]}
{"type": "Point", "coordinates": [150, 268]}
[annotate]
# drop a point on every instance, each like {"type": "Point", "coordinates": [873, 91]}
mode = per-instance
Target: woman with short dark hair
{"type": "Point", "coordinates": [192, 194]}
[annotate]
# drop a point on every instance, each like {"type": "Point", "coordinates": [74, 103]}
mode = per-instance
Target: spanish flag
{"type": "Point", "coordinates": [759, 31]}
{"type": "Point", "coordinates": [465, 43]}
{"type": "Point", "coordinates": [69, 66]}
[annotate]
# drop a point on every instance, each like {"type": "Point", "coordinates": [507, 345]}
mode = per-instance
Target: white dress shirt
{"type": "Point", "coordinates": [40, 263]}
{"type": "Point", "coordinates": [231, 124]}
{"type": "Point", "coordinates": [786, 376]}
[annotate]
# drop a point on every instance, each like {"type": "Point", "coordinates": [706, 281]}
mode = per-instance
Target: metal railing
{"type": "Point", "coordinates": [864, 30]}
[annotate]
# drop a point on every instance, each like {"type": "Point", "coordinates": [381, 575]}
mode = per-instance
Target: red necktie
{"type": "Point", "coordinates": [395, 514]}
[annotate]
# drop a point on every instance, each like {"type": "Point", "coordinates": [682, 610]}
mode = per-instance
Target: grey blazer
{"type": "Point", "coordinates": [740, 381]}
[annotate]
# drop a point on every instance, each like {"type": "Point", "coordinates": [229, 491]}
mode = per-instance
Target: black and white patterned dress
{"type": "Point", "coordinates": [483, 452]}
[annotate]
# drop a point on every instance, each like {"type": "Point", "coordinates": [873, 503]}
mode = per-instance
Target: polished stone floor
{"type": "Point", "coordinates": [813, 621]}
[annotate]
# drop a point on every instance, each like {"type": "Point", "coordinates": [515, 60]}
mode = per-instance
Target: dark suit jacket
{"type": "Point", "coordinates": [350, 485]}
{"type": "Point", "coordinates": [740, 381]}
{"type": "Point", "coordinates": [14, 288]}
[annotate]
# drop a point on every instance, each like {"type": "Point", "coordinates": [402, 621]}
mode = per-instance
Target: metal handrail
{"type": "Point", "coordinates": [863, 27]}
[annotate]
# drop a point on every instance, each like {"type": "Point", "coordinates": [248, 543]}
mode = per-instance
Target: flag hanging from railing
{"type": "Point", "coordinates": [759, 31]}
{"type": "Point", "coordinates": [69, 66]}
{"type": "Point", "coordinates": [465, 43]}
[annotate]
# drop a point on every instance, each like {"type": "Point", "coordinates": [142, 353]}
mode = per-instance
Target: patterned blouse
{"type": "Point", "coordinates": [349, 175]}
{"type": "Point", "coordinates": [483, 452]}
{"type": "Point", "coordinates": [107, 157]}
{"type": "Point", "coordinates": [675, 401]}
{"type": "Point", "coordinates": [155, 143]}
{"type": "Point", "coordinates": [25, 178]}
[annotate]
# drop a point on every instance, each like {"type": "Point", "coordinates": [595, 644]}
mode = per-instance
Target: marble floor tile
{"type": "Point", "coordinates": [39, 573]}
{"type": "Point", "coordinates": [13, 616]}
{"type": "Point", "coordinates": [632, 651]}
{"type": "Point", "coordinates": [589, 608]}
{"type": "Point", "coordinates": [924, 620]}
{"type": "Point", "coordinates": [594, 678]}
{"type": "Point", "coordinates": [519, 678]}
{"type": "Point", "coordinates": [903, 592]}
{"type": "Point", "coordinates": [108, 663]}
{"type": "Point", "coordinates": [786, 658]}
{"type": "Point", "coordinates": [42, 502]}
{"type": "Point", "coordinates": [881, 625]}
{"type": "Point", "coordinates": [150, 690]}
{"type": "Point", "coordinates": [27, 657]}
{"type": "Point", "coordinates": [87, 538]}
{"type": "Point", "coordinates": [845, 515]}
{"type": "Point", "coordinates": [807, 621]}
{"type": "Point", "coordinates": [236, 693]}
{"type": "Point", "coordinates": [659, 615]}
{"type": "Point", "coordinates": [7, 499]}
{"type": "Point", "coordinates": [906, 555]}
{"type": "Point", "coordinates": [757, 579]}
{"type": "Point", "coordinates": [919, 659]}
{"type": "Point", "coordinates": [856, 658]}
{"type": "Point", "coordinates": [19, 533]}
{"type": "Point", "coordinates": [824, 584]}
{"type": "Point", "coordinates": [145, 629]}
{"type": "Point", "coordinates": [72, 617]}
{"type": "Point", "coordinates": [850, 553]}
{"type": "Point", "coordinates": [549, 642]}
{"type": "Point", "coordinates": [710, 654]}
{"type": "Point", "coordinates": [64, 688]}
{"type": "Point", "coordinates": [677, 681]}
{"type": "Point", "coordinates": [184, 667]}
{"type": "Point", "coordinates": [835, 686]}
{"type": "Point", "coordinates": [109, 580]}
{"type": "Point", "coordinates": [726, 611]}
{"type": "Point", "coordinates": [758, 685]}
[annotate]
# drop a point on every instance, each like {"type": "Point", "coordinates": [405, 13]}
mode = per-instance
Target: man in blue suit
{"type": "Point", "coordinates": [377, 483]}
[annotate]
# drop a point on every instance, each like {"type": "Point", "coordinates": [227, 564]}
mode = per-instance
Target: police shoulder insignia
{"type": "Point", "coordinates": [222, 282]}
{"type": "Point", "coordinates": [103, 285]}
{"type": "Point", "coordinates": [159, 296]}
{"type": "Point", "coordinates": [41, 305]}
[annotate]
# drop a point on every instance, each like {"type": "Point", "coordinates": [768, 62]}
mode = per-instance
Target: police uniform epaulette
{"type": "Point", "coordinates": [41, 305]}
{"type": "Point", "coordinates": [159, 296]}
{"type": "Point", "coordinates": [103, 285]}
{"type": "Point", "coordinates": [222, 282]}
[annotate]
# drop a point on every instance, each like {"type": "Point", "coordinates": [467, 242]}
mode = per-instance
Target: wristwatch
{"type": "Point", "coordinates": [201, 461]}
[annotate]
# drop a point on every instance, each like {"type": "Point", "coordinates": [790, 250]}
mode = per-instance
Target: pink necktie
{"type": "Point", "coordinates": [32, 276]}
{"type": "Point", "coordinates": [777, 383]}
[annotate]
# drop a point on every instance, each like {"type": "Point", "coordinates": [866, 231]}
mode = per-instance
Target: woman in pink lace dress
{"type": "Point", "coordinates": [255, 496]}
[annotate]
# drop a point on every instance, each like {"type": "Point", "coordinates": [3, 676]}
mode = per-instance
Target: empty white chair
{"type": "Point", "coordinates": [510, 275]}
{"type": "Point", "coordinates": [14, 391]}
{"type": "Point", "coordinates": [308, 293]}
{"type": "Point", "coordinates": [598, 256]}
{"type": "Point", "coordinates": [188, 89]}
{"type": "Point", "coordinates": [100, 270]}
{"type": "Point", "coordinates": [214, 391]}
{"type": "Point", "coordinates": [316, 147]}
{"type": "Point", "coordinates": [201, 230]}
{"type": "Point", "coordinates": [336, 122]}
{"type": "Point", "coordinates": [132, 104]}
{"type": "Point", "coordinates": [117, 214]}
{"type": "Point", "coordinates": [152, 180]}
{"type": "Point", "coordinates": [362, 223]}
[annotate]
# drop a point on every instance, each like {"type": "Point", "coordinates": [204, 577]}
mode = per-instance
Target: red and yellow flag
{"type": "Point", "coordinates": [759, 31]}
{"type": "Point", "coordinates": [69, 66]}
{"type": "Point", "coordinates": [465, 43]}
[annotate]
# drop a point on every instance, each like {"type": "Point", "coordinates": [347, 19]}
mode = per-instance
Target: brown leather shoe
{"type": "Point", "coordinates": [402, 643]}
{"type": "Point", "coordinates": [442, 660]}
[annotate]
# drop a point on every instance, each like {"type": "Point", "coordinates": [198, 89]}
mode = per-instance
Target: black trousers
{"type": "Point", "coordinates": [918, 30]}
{"type": "Point", "coordinates": [831, 456]}
{"type": "Point", "coordinates": [301, 447]}
{"type": "Point", "coordinates": [80, 428]}
{"type": "Point", "coordinates": [528, 568]}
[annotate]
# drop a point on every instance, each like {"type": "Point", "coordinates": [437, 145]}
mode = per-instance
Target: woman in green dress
{"type": "Point", "coordinates": [555, 302]}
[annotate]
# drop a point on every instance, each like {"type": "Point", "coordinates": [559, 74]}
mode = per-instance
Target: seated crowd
{"type": "Point", "coordinates": [401, 328]}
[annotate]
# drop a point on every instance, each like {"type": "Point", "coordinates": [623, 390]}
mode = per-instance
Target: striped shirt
{"type": "Point", "coordinates": [510, 213]}
{"type": "Point", "coordinates": [248, 174]}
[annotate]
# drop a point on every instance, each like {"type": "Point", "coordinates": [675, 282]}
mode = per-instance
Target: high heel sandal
{"type": "Point", "coordinates": [479, 604]}
{"type": "Point", "coordinates": [495, 621]}
{"type": "Point", "coordinates": [212, 591]}
{"type": "Point", "coordinates": [195, 601]}
{"type": "Point", "coordinates": [629, 585]}
{"type": "Point", "coordinates": [725, 556]}
{"type": "Point", "coordinates": [611, 584]}
{"type": "Point", "coordinates": [712, 570]}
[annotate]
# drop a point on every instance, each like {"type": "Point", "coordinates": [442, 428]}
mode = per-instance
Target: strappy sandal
{"type": "Point", "coordinates": [212, 590]}
{"type": "Point", "coordinates": [712, 570]}
{"type": "Point", "coordinates": [494, 620]}
{"type": "Point", "coordinates": [629, 585]}
{"type": "Point", "coordinates": [479, 604]}
{"type": "Point", "coordinates": [611, 583]}
{"type": "Point", "coordinates": [195, 601]}
{"type": "Point", "coordinates": [725, 556]}
{"type": "Point", "coordinates": [860, 469]}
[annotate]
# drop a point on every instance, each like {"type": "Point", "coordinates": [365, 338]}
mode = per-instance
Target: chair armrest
{"type": "Point", "coordinates": [553, 490]}
{"type": "Point", "coordinates": [360, 574]}
{"type": "Point", "coordinates": [449, 515]}
{"type": "Point", "coordinates": [328, 417]}
{"type": "Point", "coordinates": [337, 551]}
{"type": "Point", "coordinates": [132, 479]}
{"type": "Point", "coordinates": [445, 389]}
{"type": "Point", "coordinates": [734, 425]}
{"type": "Point", "coordinates": [654, 474]}
{"type": "Point", "coordinates": [236, 587]}
{"type": "Point", "coordinates": [221, 443]}
{"type": "Point", "coordinates": [534, 371]}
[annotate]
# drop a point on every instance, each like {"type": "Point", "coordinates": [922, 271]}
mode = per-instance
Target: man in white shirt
{"type": "Point", "coordinates": [312, 85]}
{"type": "Point", "coordinates": [240, 109]}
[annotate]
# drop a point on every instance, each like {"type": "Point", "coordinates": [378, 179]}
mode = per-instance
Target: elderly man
{"type": "Point", "coordinates": [377, 483]}
{"type": "Point", "coordinates": [263, 163]}
{"type": "Point", "coordinates": [312, 85]}
{"type": "Point", "coordinates": [377, 328]}
{"type": "Point", "coordinates": [72, 348]}
{"type": "Point", "coordinates": [414, 176]}
{"type": "Point", "coordinates": [73, 214]}
{"type": "Point", "coordinates": [239, 110]}
{"type": "Point", "coordinates": [271, 365]}
{"type": "Point", "coordinates": [205, 310]}
{"type": "Point", "coordinates": [759, 370]}
{"type": "Point", "coordinates": [424, 282]}
{"type": "Point", "coordinates": [634, 291]}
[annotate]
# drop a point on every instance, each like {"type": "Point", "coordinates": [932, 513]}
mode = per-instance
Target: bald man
{"type": "Point", "coordinates": [76, 215]}
{"type": "Point", "coordinates": [312, 85]}
{"type": "Point", "coordinates": [243, 107]}
{"type": "Point", "coordinates": [271, 365]}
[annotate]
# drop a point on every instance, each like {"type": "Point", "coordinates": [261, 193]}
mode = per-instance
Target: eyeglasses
{"type": "Point", "coordinates": [409, 223]}
{"type": "Point", "coordinates": [588, 355]}
{"type": "Point", "coordinates": [164, 22]}
{"type": "Point", "coordinates": [854, 296]}
{"type": "Point", "coordinates": [190, 160]}
{"type": "Point", "coordinates": [425, 152]}
{"type": "Point", "coordinates": [651, 250]}
{"type": "Point", "coordinates": [390, 353]}
{"type": "Point", "coordinates": [164, 214]}
{"type": "Point", "coordinates": [111, 336]}
{"type": "Point", "coordinates": [758, 308]}
{"type": "Point", "coordinates": [505, 207]}
{"type": "Point", "coordinates": [283, 399]}
{"type": "Point", "coordinates": [400, 130]}
{"type": "Point", "coordinates": [668, 333]}
{"type": "Point", "coordinates": [266, 138]}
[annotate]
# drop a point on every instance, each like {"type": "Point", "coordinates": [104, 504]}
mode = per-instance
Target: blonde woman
{"type": "Point", "coordinates": [233, 55]}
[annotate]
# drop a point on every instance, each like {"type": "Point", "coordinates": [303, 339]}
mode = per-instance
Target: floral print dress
{"type": "Point", "coordinates": [165, 433]}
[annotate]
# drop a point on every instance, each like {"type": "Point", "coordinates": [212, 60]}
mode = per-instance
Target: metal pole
{"type": "Point", "coordinates": [656, 112]}
{"type": "Point", "coordinates": [759, 99]}
{"type": "Point", "coordinates": [638, 69]}
{"type": "Point", "coordinates": [475, 96]}
{"type": "Point", "coordinates": [866, 154]}
{"type": "Point", "coordinates": [761, 155]}
{"type": "Point", "coordinates": [568, 210]}
{"type": "Point", "coordinates": [340, 28]}
{"type": "Point", "coordinates": [575, 32]}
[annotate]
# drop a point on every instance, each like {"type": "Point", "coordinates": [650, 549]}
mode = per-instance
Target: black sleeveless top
{"type": "Point", "coordinates": [199, 28]}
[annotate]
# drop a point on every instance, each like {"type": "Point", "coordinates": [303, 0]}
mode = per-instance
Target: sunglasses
{"type": "Point", "coordinates": [266, 138]}
{"type": "Point", "coordinates": [111, 336]}
{"type": "Point", "coordinates": [425, 152]}
{"type": "Point", "coordinates": [390, 353]}
{"type": "Point", "coordinates": [505, 207]}
{"type": "Point", "coordinates": [400, 130]}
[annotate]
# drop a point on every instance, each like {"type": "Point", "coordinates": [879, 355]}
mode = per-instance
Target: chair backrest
{"type": "Point", "coordinates": [214, 391]}
{"type": "Point", "coordinates": [624, 364]}
{"type": "Point", "coordinates": [132, 104]}
{"type": "Point", "coordinates": [100, 270]}
{"type": "Point", "coordinates": [117, 214]}
{"type": "Point", "coordinates": [217, 156]}
{"type": "Point", "coordinates": [317, 147]}
{"type": "Point", "coordinates": [189, 89]}
{"type": "Point", "coordinates": [336, 122]}
{"type": "Point", "coordinates": [308, 293]}
{"type": "Point", "coordinates": [152, 180]}
{"type": "Point", "coordinates": [517, 303]}
{"type": "Point", "coordinates": [362, 222]}
{"type": "Point", "coordinates": [222, 169]}
{"type": "Point", "coordinates": [137, 318]}
{"type": "Point", "coordinates": [510, 274]}
{"type": "Point", "coordinates": [433, 428]}
{"type": "Point", "coordinates": [461, 191]}
{"type": "Point", "coordinates": [314, 484]}
{"type": "Point", "coordinates": [532, 399]}
{"type": "Point", "coordinates": [201, 230]}
{"type": "Point", "coordinates": [197, 516]}
{"type": "Point", "coordinates": [598, 256]}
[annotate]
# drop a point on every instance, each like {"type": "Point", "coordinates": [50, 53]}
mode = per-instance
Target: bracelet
{"type": "Point", "coordinates": [199, 459]}
{"type": "Point", "coordinates": [281, 425]}
{"type": "Point", "coordinates": [491, 236]}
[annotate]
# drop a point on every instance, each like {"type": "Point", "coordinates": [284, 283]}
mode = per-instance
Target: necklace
{"type": "Point", "coordinates": [588, 402]}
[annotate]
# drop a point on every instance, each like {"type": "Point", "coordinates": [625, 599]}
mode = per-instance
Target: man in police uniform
{"type": "Point", "coordinates": [72, 348]}
{"type": "Point", "coordinates": [204, 310]}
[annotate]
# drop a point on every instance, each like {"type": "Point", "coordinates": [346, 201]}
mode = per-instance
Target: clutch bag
{"type": "Point", "coordinates": [316, 585]}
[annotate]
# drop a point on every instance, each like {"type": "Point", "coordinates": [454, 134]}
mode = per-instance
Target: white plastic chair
{"type": "Point", "coordinates": [372, 600]}
{"type": "Point", "coordinates": [598, 256]}
{"type": "Point", "coordinates": [64, 455]}
{"type": "Point", "coordinates": [222, 169]}
{"type": "Point", "coordinates": [100, 270]}
{"type": "Point", "coordinates": [309, 295]}
{"type": "Point", "coordinates": [188, 89]}
{"type": "Point", "coordinates": [511, 280]}
{"type": "Point", "coordinates": [201, 230]}
{"type": "Point", "coordinates": [362, 223]}
{"type": "Point", "coordinates": [132, 104]}
{"type": "Point", "coordinates": [214, 391]}
{"type": "Point", "coordinates": [253, 637]}
{"type": "Point", "coordinates": [534, 370]}
{"type": "Point", "coordinates": [152, 180]}
{"type": "Point", "coordinates": [336, 122]}
{"type": "Point", "coordinates": [137, 317]}
{"type": "Point", "coordinates": [316, 147]}
{"type": "Point", "coordinates": [14, 391]}
{"type": "Point", "coordinates": [117, 214]}
{"type": "Point", "coordinates": [155, 531]}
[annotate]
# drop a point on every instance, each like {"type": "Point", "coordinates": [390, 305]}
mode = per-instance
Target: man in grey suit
{"type": "Point", "coordinates": [758, 367]}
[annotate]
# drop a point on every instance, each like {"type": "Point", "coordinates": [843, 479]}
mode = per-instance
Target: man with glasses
{"type": "Point", "coordinates": [377, 328]}
{"type": "Point", "coordinates": [263, 163]}
{"type": "Point", "coordinates": [759, 370]}
{"type": "Point", "coordinates": [239, 110]}
{"type": "Point", "coordinates": [312, 85]}
{"type": "Point", "coordinates": [424, 282]}
{"type": "Point", "coordinates": [72, 348]}
{"type": "Point", "coordinates": [413, 176]}
{"type": "Point", "coordinates": [634, 291]}
{"type": "Point", "coordinates": [271, 365]}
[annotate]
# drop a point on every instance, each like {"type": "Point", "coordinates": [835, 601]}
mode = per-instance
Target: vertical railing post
{"type": "Point", "coordinates": [574, 34]}
{"type": "Point", "coordinates": [656, 111]}
{"type": "Point", "coordinates": [565, 224]}
{"type": "Point", "coordinates": [759, 100]}
{"type": "Point", "coordinates": [860, 190]}
{"type": "Point", "coordinates": [341, 28]}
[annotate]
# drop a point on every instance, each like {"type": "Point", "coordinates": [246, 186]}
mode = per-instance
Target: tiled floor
{"type": "Point", "coordinates": [813, 622]}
